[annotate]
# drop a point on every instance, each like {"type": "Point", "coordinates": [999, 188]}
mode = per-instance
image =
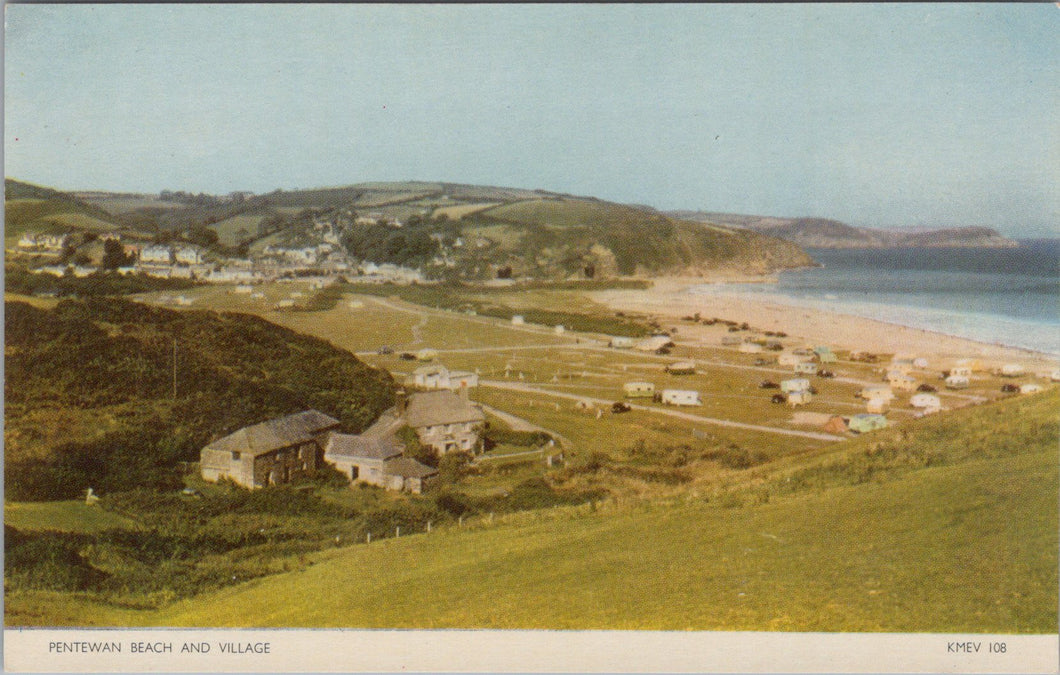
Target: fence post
{"type": "Point", "coordinates": [397, 531]}
{"type": "Point", "coordinates": [369, 538]}
{"type": "Point", "coordinates": [428, 527]}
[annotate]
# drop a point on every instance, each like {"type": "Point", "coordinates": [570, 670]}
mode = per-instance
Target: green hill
{"type": "Point", "coordinates": [89, 397]}
{"type": "Point", "coordinates": [29, 208]}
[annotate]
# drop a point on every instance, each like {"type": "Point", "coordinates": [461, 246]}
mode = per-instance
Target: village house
{"type": "Point", "coordinates": [926, 402]}
{"type": "Point", "coordinates": [156, 253]}
{"type": "Point", "coordinates": [750, 348]}
{"type": "Point", "coordinates": [44, 242]}
{"type": "Point", "coordinates": [957, 382]}
{"type": "Point", "coordinates": [877, 406]}
{"type": "Point", "coordinates": [272, 452]}
{"type": "Point", "coordinates": [443, 420]}
{"type": "Point", "coordinates": [518, 320]}
{"type": "Point", "coordinates": [620, 343]}
{"type": "Point", "coordinates": [1030, 388]}
{"type": "Point", "coordinates": [188, 255]}
{"type": "Point", "coordinates": [376, 457]}
{"type": "Point", "coordinates": [877, 391]}
{"type": "Point", "coordinates": [1011, 370]}
{"type": "Point", "coordinates": [438, 376]}
{"type": "Point", "coordinates": [901, 381]}
{"type": "Point", "coordinates": [791, 359]}
{"type": "Point", "coordinates": [800, 397]}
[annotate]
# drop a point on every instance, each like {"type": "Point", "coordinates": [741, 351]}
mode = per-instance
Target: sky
{"type": "Point", "coordinates": [877, 115]}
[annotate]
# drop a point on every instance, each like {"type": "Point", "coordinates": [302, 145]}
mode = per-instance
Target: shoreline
{"type": "Point", "coordinates": [669, 299]}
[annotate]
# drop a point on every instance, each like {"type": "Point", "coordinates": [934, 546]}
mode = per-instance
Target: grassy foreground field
{"type": "Point", "coordinates": [949, 527]}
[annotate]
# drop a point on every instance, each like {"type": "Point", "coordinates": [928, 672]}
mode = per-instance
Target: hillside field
{"type": "Point", "coordinates": [952, 528]}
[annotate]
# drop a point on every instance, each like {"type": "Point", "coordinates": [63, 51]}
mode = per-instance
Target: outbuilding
{"type": "Point", "coordinates": [877, 391]}
{"type": "Point", "coordinates": [800, 397]}
{"type": "Point", "coordinates": [620, 343]}
{"type": "Point", "coordinates": [877, 406]}
{"type": "Point", "coordinates": [824, 354]}
{"type": "Point", "coordinates": [926, 401]}
{"type": "Point", "coordinates": [957, 382]}
{"type": "Point", "coordinates": [1030, 388]}
{"type": "Point", "coordinates": [1011, 370]}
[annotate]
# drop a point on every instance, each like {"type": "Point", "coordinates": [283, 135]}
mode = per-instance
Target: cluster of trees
{"type": "Point", "coordinates": [231, 370]}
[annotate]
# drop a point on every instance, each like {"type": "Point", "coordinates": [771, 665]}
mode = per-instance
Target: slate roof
{"type": "Point", "coordinates": [440, 407]}
{"type": "Point", "coordinates": [408, 468]}
{"type": "Point", "coordinates": [274, 434]}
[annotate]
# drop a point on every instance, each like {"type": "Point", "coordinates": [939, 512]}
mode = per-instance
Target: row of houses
{"type": "Point", "coordinates": [280, 450]}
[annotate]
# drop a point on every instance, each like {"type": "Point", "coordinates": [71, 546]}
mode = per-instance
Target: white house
{"type": "Point", "coordinates": [681, 368]}
{"type": "Point", "coordinates": [750, 348]}
{"type": "Point", "coordinates": [438, 376]}
{"type": "Point", "coordinates": [877, 406]}
{"type": "Point", "coordinates": [620, 343]}
{"type": "Point", "coordinates": [1030, 388]}
{"type": "Point", "coordinates": [156, 253]}
{"type": "Point", "coordinates": [189, 255]}
{"type": "Point", "coordinates": [680, 397]}
{"type": "Point", "coordinates": [518, 320]}
{"type": "Point", "coordinates": [800, 397]}
{"type": "Point", "coordinates": [806, 368]}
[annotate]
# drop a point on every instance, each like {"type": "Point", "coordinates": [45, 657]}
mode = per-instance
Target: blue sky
{"type": "Point", "coordinates": [879, 115]}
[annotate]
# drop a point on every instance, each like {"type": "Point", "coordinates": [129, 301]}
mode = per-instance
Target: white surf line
{"type": "Point", "coordinates": [662, 411]}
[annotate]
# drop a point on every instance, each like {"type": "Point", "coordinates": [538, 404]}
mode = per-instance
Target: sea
{"type": "Point", "coordinates": [1006, 296]}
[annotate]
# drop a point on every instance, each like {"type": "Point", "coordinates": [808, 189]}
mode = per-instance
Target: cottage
{"type": "Point", "coordinates": [793, 385]}
{"type": "Point", "coordinates": [800, 397]}
{"type": "Point", "coordinates": [865, 423]}
{"type": "Point", "coordinates": [957, 382]}
{"type": "Point", "coordinates": [638, 389]}
{"type": "Point", "coordinates": [620, 343]}
{"type": "Point", "coordinates": [961, 371]}
{"type": "Point", "coordinates": [269, 453]}
{"type": "Point", "coordinates": [750, 348]}
{"type": "Point", "coordinates": [681, 368]}
{"type": "Point", "coordinates": [362, 457]}
{"type": "Point", "coordinates": [443, 420]}
{"type": "Point", "coordinates": [680, 397]}
{"type": "Point", "coordinates": [806, 368]}
{"type": "Point", "coordinates": [824, 354]}
{"type": "Point", "coordinates": [518, 320]}
{"type": "Point", "coordinates": [877, 391]}
{"type": "Point", "coordinates": [1030, 388]}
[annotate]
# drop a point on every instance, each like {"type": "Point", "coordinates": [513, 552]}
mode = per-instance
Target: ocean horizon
{"type": "Point", "coordinates": [1007, 297]}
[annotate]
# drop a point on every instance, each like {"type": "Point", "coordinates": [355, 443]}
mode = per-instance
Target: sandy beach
{"type": "Point", "coordinates": [668, 300]}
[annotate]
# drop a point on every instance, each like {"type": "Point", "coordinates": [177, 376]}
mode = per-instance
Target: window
{"type": "Point", "coordinates": [236, 456]}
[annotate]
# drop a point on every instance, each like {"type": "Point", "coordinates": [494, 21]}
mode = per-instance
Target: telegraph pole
{"type": "Point", "coordinates": [174, 367]}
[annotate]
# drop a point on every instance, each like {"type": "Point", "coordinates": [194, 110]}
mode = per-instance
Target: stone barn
{"type": "Point", "coordinates": [272, 452]}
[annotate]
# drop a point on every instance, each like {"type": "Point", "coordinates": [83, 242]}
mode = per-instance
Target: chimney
{"type": "Point", "coordinates": [401, 402]}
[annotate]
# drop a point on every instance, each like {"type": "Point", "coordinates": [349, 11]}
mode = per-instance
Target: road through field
{"type": "Point", "coordinates": [529, 389]}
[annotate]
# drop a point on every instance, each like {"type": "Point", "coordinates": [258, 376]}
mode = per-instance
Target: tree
{"type": "Point", "coordinates": [113, 255]}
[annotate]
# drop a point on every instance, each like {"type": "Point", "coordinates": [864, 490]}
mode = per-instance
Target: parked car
{"type": "Point", "coordinates": [927, 388]}
{"type": "Point", "coordinates": [406, 356]}
{"type": "Point", "coordinates": [762, 362]}
{"type": "Point", "coordinates": [825, 373]}
{"type": "Point", "coordinates": [768, 384]}
{"type": "Point", "coordinates": [779, 398]}
{"type": "Point", "coordinates": [1010, 388]}
{"type": "Point", "coordinates": [620, 407]}
{"type": "Point", "coordinates": [663, 351]}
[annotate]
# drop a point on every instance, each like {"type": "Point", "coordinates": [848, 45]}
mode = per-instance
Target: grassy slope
{"type": "Point", "coordinates": [963, 539]}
